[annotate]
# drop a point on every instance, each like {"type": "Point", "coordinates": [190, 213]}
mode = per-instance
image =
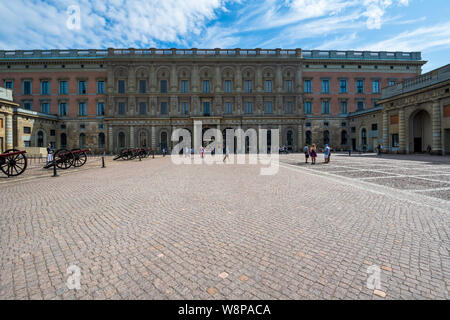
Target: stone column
{"type": "Point", "coordinates": [110, 139]}
{"type": "Point", "coordinates": [238, 79]}
{"type": "Point", "coordinates": [300, 138]}
{"type": "Point", "coordinates": [259, 78]}
{"type": "Point", "coordinates": [385, 133]}
{"type": "Point", "coordinates": [218, 81]}
{"type": "Point", "coordinates": [278, 79]}
{"type": "Point", "coordinates": [131, 136]}
{"type": "Point", "coordinates": [401, 130]}
{"type": "Point", "coordinates": [280, 136]}
{"type": "Point", "coordinates": [131, 80]}
{"type": "Point", "coordinates": [436, 127]}
{"type": "Point", "coordinates": [153, 138]}
{"type": "Point", "coordinates": [153, 85]}
{"type": "Point", "coordinates": [9, 132]}
{"type": "Point", "coordinates": [173, 78]}
{"type": "Point", "coordinates": [194, 78]}
{"type": "Point", "coordinates": [299, 80]}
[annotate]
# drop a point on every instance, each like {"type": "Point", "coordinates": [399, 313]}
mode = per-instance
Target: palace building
{"type": "Point", "coordinates": [117, 98]}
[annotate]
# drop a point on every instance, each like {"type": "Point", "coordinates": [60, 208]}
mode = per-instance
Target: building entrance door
{"type": "Point", "coordinates": [417, 144]}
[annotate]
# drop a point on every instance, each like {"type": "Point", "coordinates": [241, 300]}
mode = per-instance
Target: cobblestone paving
{"type": "Point", "coordinates": [155, 230]}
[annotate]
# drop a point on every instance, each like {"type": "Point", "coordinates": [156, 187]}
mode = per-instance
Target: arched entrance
{"type": "Point", "coordinates": [420, 133]}
{"type": "Point", "coordinates": [163, 140]}
{"type": "Point", "coordinates": [121, 140]}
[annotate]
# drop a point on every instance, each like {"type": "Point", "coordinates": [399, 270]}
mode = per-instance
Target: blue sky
{"type": "Point", "coordinates": [381, 25]}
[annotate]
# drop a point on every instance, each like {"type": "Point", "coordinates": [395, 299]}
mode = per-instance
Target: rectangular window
{"type": "Point", "coordinates": [374, 126]}
{"type": "Point", "coordinates": [288, 107]}
{"type": "Point", "coordinates": [26, 87]}
{"type": "Point", "coordinates": [248, 86]}
{"type": "Point", "coordinates": [395, 141]}
{"type": "Point", "coordinates": [63, 87]}
{"type": "Point", "coordinates": [325, 107]}
{"type": "Point", "coordinates": [375, 86]}
{"type": "Point", "coordinates": [122, 108]}
{"type": "Point", "coordinates": [228, 108]}
{"type": "Point", "coordinates": [227, 86]}
{"type": "Point", "coordinates": [45, 107]}
{"type": "Point", "coordinates": [325, 86]}
{"type": "Point", "coordinates": [45, 87]}
{"type": "Point", "coordinates": [268, 86]}
{"type": "Point", "coordinates": [343, 105]}
{"type": "Point", "coordinates": [100, 87]}
{"type": "Point", "coordinates": [184, 86]}
{"type": "Point", "coordinates": [206, 88]}
{"type": "Point", "coordinates": [142, 86]}
{"type": "Point", "coordinates": [163, 84]}
{"type": "Point", "coordinates": [308, 107]}
{"type": "Point", "coordinates": [308, 86]}
{"type": "Point", "coordinates": [27, 143]}
{"type": "Point", "coordinates": [248, 107]}
{"type": "Point", "coordinates": [82, 109]}
{"type": "Point", "coordinates": [288, 84]}
{"type": "Point", "coordinates": [82, 87]}
{"type": "Point", "coordinates": [9, 84]}
{"type": "Point", "coordinates": [185, 108]}
{"type": "Point", "coordinates": [52, 133]}
{"type": "Point", "coordinates": [391, 83]}
{"type": "Point", "coordinates": [164, 107]}
{"type": "Point", "coordinates": [343, 86]}
{"type": "Point", "coordinates": [27, 105]}
{"type": "Point", "coordinates": [100, 109]}
{"type": "Point", "coordinates": [360, 105]}
{"type": "Point", "coordinates": [268, 107]}
{"type": "Point", "coordinates": [142, 108]}
{"type": "Point", "coordinates": [63, 109]}
{"type": "Point", "coordinates": [121, 86]}
{"type": "Point", "coordinates": [206, 108]}
{"type": "Point", "coordinates": [26, 129]}
{"type": "Point", "coordinates": [101, 126]}
{"type": "Point", "coordinates": [359, 86]}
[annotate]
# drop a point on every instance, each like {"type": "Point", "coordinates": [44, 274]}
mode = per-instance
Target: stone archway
{"type": "Point", "coordinates": [420, 131]}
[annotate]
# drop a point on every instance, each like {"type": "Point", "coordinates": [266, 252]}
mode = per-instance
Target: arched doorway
{"type": "Point", "coordinates": [326, 137]}
{"type": "Point", "coordinates": [289, 139]}
{"type": "Point", "coordinates": [163, 143]}
{"type": "Point", "coordinates": [344, 138]}
{"type": "Point", "coordinates": [420, 136]}
{"type": "Point", "coordinates": [121, 140]}
{"type": "Point", "coordinates": [40, 139]}
{"type": "Point", "coordinates": [308, 139]}
{"type": "Point", "coordinates": [364, 139]}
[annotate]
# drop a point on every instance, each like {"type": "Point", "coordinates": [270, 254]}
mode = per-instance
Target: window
{"type": "Point", "coordinates": [121, 86]}
{"type": "Point", "coordinates": [45, 107]}
{"type": "Point", "coordinates": [376, 86]}
{"type": "Point", "coordinates": [228, 108]}
{"type": "Point", "coordinates": [248, 86]}
{"type": "Point", "coordinates": [268, 107]}
{"type": "Point", "coordinates": [343, 105]}
{"type": "Point", "coordinates": [344, 138]}
{"type": "Point", "coordinates": [163, 107]}
{"type": "Point", "coordinates": [63, 126]}
{"type": "Point", "coordinates": [63, 87]}
{"type": "Point", "coordinates": [82, 126]}
{"type": "Point", "coordinates": [45, 87]}
{"type": "Point", "coordinates": [359, 86]}
{"type": "Point", "coordinates": [100, 109]}
{"type": "Point", "coordinates": [227, 86]}
{"type": "Point", "coordinates": [82, 109]}
{"type": "Point", "coordinates": [374, 126]}
{"type": "Point", "coordinates": [27, 143]}
{"type": "Point", "coordinates": [353, 129]}
{"type": "Point", "coordinates": [184, 108]}
{"type": "Point", "coordinates": [27, 105]}
{"type": "Point", "coordinates": [360, 105]}
{"type": "Point", "coordinates": [184, 86]}
{"type": "Point", "coordinates": [101, 126]}
{"type": "Point", "coordinates": [289, 107]}
{"type": "Point", "coordinates": [27, 130]}
{"type": "Point", "coordinates": [308, 86]}
{"type": "Point", "coordinates": [100, 87]}
{"type": "Point", "coordinates": [206, 108]}
{"type": "Point", "coordinates": [343, 86]}
{"type": "Point", "coordinates": [248, 107]}
{"type": "Point", "coordinates": [52, 133]}
{"type": "Point", "coordinates": [142, 86]}
{"type": "Point", "coordinates": [308, 107]}
{"type": "Point", "coordinates": [82, 88]}
{"type": "Point", "coordinates": [142, 108]}
{"type": "Point", "coordinates": [288, 84]}
{"type": "Point", "coordinates": [122, 108]}
{"type": "Point", "coordinates": [206, 86]}
{"type": "Point", "coordinates": [26, 87]}
{"type": "Point", "coordinates": [9, 84]}
{"type": "Point", "coordinates": [343, 124]}
{"type": "Point", "coordinates": [391, 82]}
{"type": "Point", "coordinates": [268, 87]}
{"type": "Point", "coordinates": [325, 107]}
{"type": "Point", "coordinates": [163, 84]}
{"type": "Point", "coordinates": [325, 86]}
{"type": "Point", "coordinates": [395, 140]}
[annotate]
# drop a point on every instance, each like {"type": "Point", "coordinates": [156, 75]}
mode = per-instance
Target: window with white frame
{"type": "Point", "coordinates": [248, 86]}
{"type": "Point", "coordinates": [325, 86]}
{"type": "Point", "coordinates": [227, 86]}
{"type": "Point", "coordinates": [82, 109]}
{"type": "Point", "coordinates": [185, 108]}
{"type": "Point", "coordinates": [100, 108]}
{"type": "Point", "coordinates": [82, 87]}
{"type": "Point", "coordinates": [248, 107]}
{"type": "Point", "coordinates": [325, 106]}
{"type": "Point", "coordinates": [100, 86]}
{"type": "Point", "coordinates": [268, 107]}
{"type": "Point", "coordinates": [268, 86]}
{"type": "Point", "coordinates": [63, 109]}
{"type": "Point", "coordinates": [308, 86]}
{"type": "Point", "coordinates": [45, 87]}
{"type": "Point", "coordinates": [228, 108]}
{"type": "Point", "coordinates": [63, 87]}
{"type": "Point", "coordinates": [308, 107]}
{"type": "Point", "coordinates": [45, 107]}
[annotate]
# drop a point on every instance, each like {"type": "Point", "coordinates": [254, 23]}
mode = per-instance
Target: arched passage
{"type": "Point", "coordinates": [420, 135]}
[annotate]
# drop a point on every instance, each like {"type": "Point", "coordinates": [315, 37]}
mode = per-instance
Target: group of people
{"type": "Point", "coordinates": [311, 151]}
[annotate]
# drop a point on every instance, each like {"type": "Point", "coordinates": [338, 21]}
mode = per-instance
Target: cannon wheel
{"type": "Point", "coordinates": [64, 159]}
{"type": "Point", "coordinates": [123, 154]}
{"type": "Point", "coordinates": [79, 158]}
{"type": "Point", "coordinates": [13, 165]}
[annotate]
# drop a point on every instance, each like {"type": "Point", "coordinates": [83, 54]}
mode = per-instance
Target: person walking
{"type": "Point", "coordinates": [164, 152]}
{"type": "Point", "coordinates": [326, 153]}
{"type": "Point", "coordinates": [313, 154]}
{"type": "Point", "coordinates": [306, 152]}
{"type": "Point", "coordinates": [227, 154]}
{"type": "Point", "coordinates": [202, 151]}
{"type": "Point", "coordinates": [379, 150]}
{"type": "Point", "coordinates": [49, 153]}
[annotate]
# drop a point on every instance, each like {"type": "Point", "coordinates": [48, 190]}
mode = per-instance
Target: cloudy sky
{"type": "Point", "coordinates": [385, 25]}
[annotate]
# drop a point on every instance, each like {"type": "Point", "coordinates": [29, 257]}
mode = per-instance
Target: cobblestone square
{"type": "Point", "coordinates": [151, 229]}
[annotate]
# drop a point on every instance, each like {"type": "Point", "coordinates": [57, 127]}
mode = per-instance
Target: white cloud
{"type": "Point", "coordinates": [375, 10]}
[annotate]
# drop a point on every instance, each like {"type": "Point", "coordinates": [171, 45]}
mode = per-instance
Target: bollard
{"type": "Point", "coordinates": [153, 154]}
{"type": "Point", "coordinates": [103, 160]}
{"type": "Point", "coordinates": [55, 174]}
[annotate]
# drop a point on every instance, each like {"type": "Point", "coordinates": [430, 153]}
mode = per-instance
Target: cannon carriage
{"type": "Point", "coordinates": [13, 162]}
{"type": "Point", "coordinates": [130, 154]}
{"type": "Point", "coordinates": [64, 159]}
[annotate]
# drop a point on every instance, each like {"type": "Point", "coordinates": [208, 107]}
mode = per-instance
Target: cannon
{"type": "Point", "coordinates": [130, 154]}
{"type": "Point", "coordinates": [64, 159]}
{"type": "Point", "coordinates": [13, 162]}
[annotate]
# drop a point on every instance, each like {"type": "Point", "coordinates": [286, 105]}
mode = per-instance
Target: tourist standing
{"type": "Point", "coordinates": [313, 154]}
{"type": "Point", "coordinates": [164, 152]}
{"type": "Point", "coordinates": [202, 151]}
{"type": "Point", "coordinates": [326, 153]}
{"type": "Point", "coordinates": [379, 150]}
{"type": "Point", "coordinates": [49, 153]}
{"type": "Point", "coordinates": [306, 152]}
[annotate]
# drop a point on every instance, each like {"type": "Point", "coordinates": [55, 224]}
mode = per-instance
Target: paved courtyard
{"type": "Point", "coordinates": [154, 230]}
